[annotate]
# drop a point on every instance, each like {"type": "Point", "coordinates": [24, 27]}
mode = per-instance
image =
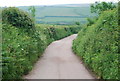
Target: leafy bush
{"type": "Point", "coordinates": [91, 21]}
{"type": "Point", "coordinates": [18, 50]}
{"type": "Point", "coordinates": [17, 17]}
{"type": "Point", "coordinates": [99, 7]}
{"type": "Point", "coordinates": [57, 32]}
{"type": "Point", "coordinates": [97, 45]}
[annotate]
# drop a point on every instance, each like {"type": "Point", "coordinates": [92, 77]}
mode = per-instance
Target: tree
{"type": "Point", "coordinates": [103, 6]}
{"type": "Point", "coordinates": [32, 11]}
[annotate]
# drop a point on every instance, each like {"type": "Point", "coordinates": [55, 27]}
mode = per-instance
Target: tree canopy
{"type": "Point", "coordinates": [98, 7]}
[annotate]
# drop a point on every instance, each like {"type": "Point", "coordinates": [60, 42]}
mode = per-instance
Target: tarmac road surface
{"type": "Point", "coordinates": [59, 62]}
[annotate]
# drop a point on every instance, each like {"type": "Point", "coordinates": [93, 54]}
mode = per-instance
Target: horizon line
{"type": "Point", "coordinates": [48, 4]}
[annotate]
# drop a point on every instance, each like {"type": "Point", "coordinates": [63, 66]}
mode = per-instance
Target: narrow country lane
{"type": "Point", "coordinates": [59, 62]}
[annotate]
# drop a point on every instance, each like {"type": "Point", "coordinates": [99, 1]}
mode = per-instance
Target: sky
{"type": "Point", "coordinates": [46, 2]}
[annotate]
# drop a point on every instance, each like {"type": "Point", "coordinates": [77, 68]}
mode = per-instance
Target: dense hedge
{"type": "Point", "coordinates": [20, 49]}
{"type": "Point", "coordinates": [97, 45]}
{"type": "Point", "coordinates": [58, 31]}
{"type": "Point", "coordinates": [17, 17]}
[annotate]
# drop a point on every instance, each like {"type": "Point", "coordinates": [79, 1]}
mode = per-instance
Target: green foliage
{"type": "Point", "coordinates": [97, 45]}
{"type": "Point", "coordinates": [21, 48]}
{"type": "Point", "coordinates": [119, 13]}
{"type": "Point", "coordinates": [77, 23]}
{"type": "Point", "coordinates": [98, 7]}
{"type": "Point", "coordinates": [18, 50]}
{"type": "Point", "coordinates": [57, 32]}
{"type": "Point", "coordinates": [91, 21]}
{"type": "Point", "coordinates": [17, 17]}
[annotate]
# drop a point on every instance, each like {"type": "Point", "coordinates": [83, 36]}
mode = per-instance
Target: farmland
{"type": "Point", "coordinates": [68, 14]}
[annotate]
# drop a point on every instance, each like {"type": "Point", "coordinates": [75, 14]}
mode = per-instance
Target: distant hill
{"type": "Point", "coordinates": [74, 5]}
{"type": "Point", "coordinates": [67, 13]}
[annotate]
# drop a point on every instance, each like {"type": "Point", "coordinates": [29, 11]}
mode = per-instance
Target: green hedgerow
{"type": "Point", "coordinates": [97, 45]}
{"type": "Point", "coordinates": [17, 18]}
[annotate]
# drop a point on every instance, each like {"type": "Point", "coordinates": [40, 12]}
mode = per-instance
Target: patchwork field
{"type": "Point", "coordinates": [62, 14]}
